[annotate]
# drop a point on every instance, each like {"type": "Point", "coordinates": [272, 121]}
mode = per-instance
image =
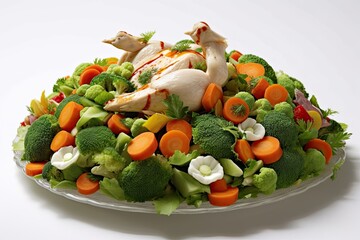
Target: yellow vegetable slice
{"type": "Point", "coordinates": [156, 122]}
{"type": "Point", "coordinates": [317, 119]}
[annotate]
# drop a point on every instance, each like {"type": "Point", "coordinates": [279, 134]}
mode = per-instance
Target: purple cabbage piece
{"type": "Point", "coordinates": [300, 99]}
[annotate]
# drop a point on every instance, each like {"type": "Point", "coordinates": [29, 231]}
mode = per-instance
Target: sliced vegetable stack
{"type": "Point", "coordinates": [259, 132]}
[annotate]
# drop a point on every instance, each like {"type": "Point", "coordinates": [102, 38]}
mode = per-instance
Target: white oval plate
{"type": "Point", "coordinates": [100, 200]}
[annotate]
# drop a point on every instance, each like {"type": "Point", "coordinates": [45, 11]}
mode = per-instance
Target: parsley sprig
{"type": "Point", "coordinates": [175, 107]}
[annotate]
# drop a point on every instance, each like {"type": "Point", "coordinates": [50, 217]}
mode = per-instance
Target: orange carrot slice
{"type": "Point", "coordinates": [243, 149]}
{"type": "Point", "coordinates": [259, 90]}
{"type": "Point", "coordinates": [62, 139]}
{"type": "Point", "coordinates": [142, 146]}
{"type": "Point", "coordinates": [34, 168]}
{"type": "Point", "coordinates": [85, 185]}
{"type": "Point", "coordinates": [172, 141]}
{"type": "Point", "coordinates": [276, 94]}
{"type": "Point", "coordinates": [116, 126]}
{"type": "Point", "coordinates": [267, 149]}
{"type": "Point", "coordinates": [252, 70]}
{"type": "Point", "coordinates": [212, 94]}
{"type": "Point", "coordinates": [225, 198]}
{"type": "Point", "coordinates": [322, 146]}
{"type": "Point", "coordinates": [69, 116]}
{"type": "Point", "coordinates": [236, 110]}
{"type": "Point", "coordinates": [88, 75]}
{"type": "Point", "coordinates": [180, 124]}
{"type": "Point", "coordinates": [218, 186]}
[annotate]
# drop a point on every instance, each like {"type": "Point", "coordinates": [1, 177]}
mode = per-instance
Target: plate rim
{"type": "Point", "coordinates": [103, 201]}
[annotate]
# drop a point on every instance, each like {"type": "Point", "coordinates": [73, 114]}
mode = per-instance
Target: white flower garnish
{"type": "Point", "coordinates": [252, 130]}
{"type": "Point", "coordinates": [206, 169]}
{"type": "Point", "coordinates": [64, 157]}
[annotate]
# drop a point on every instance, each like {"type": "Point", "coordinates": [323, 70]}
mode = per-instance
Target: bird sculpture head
{"type": "Point", "coordinates": [126, 41]}
{"type": "Point", "coordinates": [202, 34]}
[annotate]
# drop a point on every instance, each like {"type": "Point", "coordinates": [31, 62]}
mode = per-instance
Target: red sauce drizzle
{"type": "Point", "coordinates": [148, 102]}
{"type": "Point", "coordinates": [162, 44]}
{"type": "Point", "coordinates": [152, 60]}
{"type": "Point", "coordinates": [198, 32]}
{"type": "Point", "coordinates": [190, 65]}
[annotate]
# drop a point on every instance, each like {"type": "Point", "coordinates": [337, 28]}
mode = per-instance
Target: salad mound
{"type": "Point", "coordinates": [178, 124]}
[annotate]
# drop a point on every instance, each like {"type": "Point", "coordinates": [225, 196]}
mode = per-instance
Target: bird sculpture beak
{"type": "Point", "coordinates": [189, 32]}
{"type": "Point", "coordinates": [109, 41]}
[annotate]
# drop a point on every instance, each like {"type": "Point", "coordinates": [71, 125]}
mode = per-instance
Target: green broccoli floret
{"type": "Point", "coordinates": [261, 107]}
{"type": "Point", "coordinates": [64, 85]}
{"type": "Point", "coordinates": [92, 116]}
{"type": "Point", "coordinates": [299, 85]}
{"type": "Point", "coordinates": [50, 172]}
{"type": "Point", "coordinates": [72, 98]}
{"type": "Point", "coordinates": [98, 94]}
{"type": "Point", "coordinates": [93, 91]}
{"type": "Point", "coordinates": [124, 70]}
{"type": "Point", "coordinates": [82, 89]}
{"type": "Point", "coordinates": [137, 127]}
{"type": "Point", "coordinates": [288, 167]}
{"type": "Point", "coordinates": [215, 135]}
{"type": "Point", "coordinates": [38, 138]}
{"type": "Point", "coordinates": [266, 180]}
{"type": "Point", "coordinates": [105, 80]}
{"type": "Point", "coordinates": [103, 97]}
{"type": "Point", "coordinates": [94, 140]}
{"type": "Point", "coordinates": [285, 108]}
{"type": "Point", "coordinates": [108, 163]}
{"type": "Point", "coordinates": [122, 85]}
{"type": "Point", "coordinates": [145, 180]}
{"type": "Point", "coordinates": [247, 97]}
{"type": "Point", "coordinates": [290, 83]}
{"type": "Point", "coordinates": [280, 126]}
{"type": "Point", "coordinates": [269, 71]}
{"type": "Point", "coordinates": [285, 81]}
{"type": "Point", "coordinates": [314, 163]}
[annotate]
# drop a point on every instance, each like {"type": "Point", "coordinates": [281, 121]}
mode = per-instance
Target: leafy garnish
{"type": "Point", "coordinates": [111, 188]}
{"type": "Point", "coordinates": [181, 159]}
{"type": "Point", "coordinates": [59, 82]}
{"type": "Point", "coordinates": [168, 203]}
{"type": "Point", "coordinates": [175, 107]}
{"type": "Point", "coordinates": [146, 36]}
{"type": "Point", "coordinates": [326, 113]}
{"type": "Point", "coordinates": [337, 140]}
{"type": "Point", "coordinates": [146, 75]}
{"type": "Point", "coordinates": [101, 62]}
{"type": "Point", "coordinates": [306, 131]}
{"type": "Point", "coordinates": [30, 110]}
{"type": "Point", "coordinates": [182, 45]}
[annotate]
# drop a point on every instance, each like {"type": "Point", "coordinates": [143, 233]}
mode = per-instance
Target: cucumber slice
{"type": "Point", "coordinates": [230, 168]}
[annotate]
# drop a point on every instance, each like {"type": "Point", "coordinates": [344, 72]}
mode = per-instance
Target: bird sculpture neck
{"type": "Point", "coordinates": [215, 61]}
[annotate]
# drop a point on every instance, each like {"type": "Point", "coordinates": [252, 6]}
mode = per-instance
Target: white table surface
{"type": "Point", "coordinates": [315, 41]}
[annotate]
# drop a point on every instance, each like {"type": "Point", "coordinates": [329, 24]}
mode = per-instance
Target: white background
{"type": "Point", "coordinates": [315, 41]}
